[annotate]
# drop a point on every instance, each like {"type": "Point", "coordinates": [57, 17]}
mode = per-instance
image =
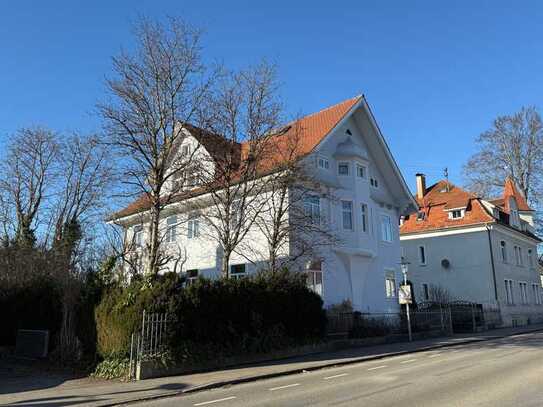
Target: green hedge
{"type": "Point", "coordinates": [215, 317]}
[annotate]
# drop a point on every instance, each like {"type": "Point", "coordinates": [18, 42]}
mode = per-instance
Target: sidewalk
{"type": "Point", "coordinates": [91, 392]}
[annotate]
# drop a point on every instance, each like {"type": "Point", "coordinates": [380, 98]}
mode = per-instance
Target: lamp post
{"type": "Point", "coordinates": [405, 266]}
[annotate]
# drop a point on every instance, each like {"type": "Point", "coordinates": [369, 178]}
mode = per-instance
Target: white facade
{"type": "Point", "coordinates": [362, 195]}
{"type": "Point", "coordinates": [491, 263]}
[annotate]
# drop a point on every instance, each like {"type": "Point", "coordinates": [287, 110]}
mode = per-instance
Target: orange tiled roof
{"type": "Point", "coordinates": [308, 131]}
{"type": "Point", "coordinates": [510, 190]}
{"type": "Point", "coordinates": [438, 199]}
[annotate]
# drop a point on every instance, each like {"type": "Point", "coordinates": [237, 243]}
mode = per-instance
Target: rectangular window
{"type": "Point", "coordinates": [323, 163]}
{"type": "Point", "coordinates": [520, 259]}
{"type": "Point", "coordinates": [421, 215]}
{"type": "Point", "coordinates": [138, 235]}
{"type": "Point", "coordinates": [536, 292]}
{"type": "Point", "coordinates": [171, 229]}
{"type": "Point", "coordinates": [390, 285]}
{"type": "Point", "coordinates": [312, 208]}
{"type": "Point", "coordinates": [360, 171]}
{"type": "Point", "coordinates": [235, 214]}
{"type": "Point", "coordinates": [530, 258]}
{"type": "Point", "coordinates": [347, 214]}
{"type": "Point", "coordinates": [193, 226]}
{"type": "Point", "coordinates": [314, 281]}
{"type": "Point", "coordinates": [343, 168]}
{"type": "Point", "coordinates": [425, 292]}
{"type": "Point", "coordinates": [503, 249]}
{"type": "Point", "coordinates": [237, 271]}
{"type": "Point", "coordinates": [185, 150]}
{"type": "Point", "coordinates": [523, 293]}
{"type": "Point", "coordinates": [509, 299]}
{"type": "Point", "coordinates": [364, 212]}
{"type": "Point", "coordinates": [456, 214]}
{"type": "Point", "coordinates": [192, 276]}
{"type": "Point", "coordinates": [386, 228]}
{"type": "Point", "coordinates": [422, 255]}
{"type": "Point", "coordinates": [374, 183]}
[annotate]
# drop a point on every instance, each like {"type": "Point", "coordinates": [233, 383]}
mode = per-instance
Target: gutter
{"type": "Point", "coordinates": [492, 262]}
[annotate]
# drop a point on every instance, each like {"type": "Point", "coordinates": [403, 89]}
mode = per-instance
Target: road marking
{"type": "Point", "coordinates": [408, 361]}
{"type": "Point", "coordinates": [215, 401]}
{"type": "Point", "coordinates": [377, 367]}
{"type": "Point", "coordinates": [435, 355]}
{"type": "Point", "coordinates": [337, 375]}
{"type": "Point", "coordinates": [284, 387]}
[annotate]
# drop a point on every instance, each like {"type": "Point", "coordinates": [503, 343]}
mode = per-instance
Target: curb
{"type": "Point", "coordinates": [214, 385]}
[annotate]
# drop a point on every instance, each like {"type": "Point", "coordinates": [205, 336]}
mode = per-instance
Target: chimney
{"type": "Point", "coordinates": [421, 185]}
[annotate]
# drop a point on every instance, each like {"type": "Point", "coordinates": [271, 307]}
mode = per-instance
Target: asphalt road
{"type": "Point", "coordinates": [504, 372]}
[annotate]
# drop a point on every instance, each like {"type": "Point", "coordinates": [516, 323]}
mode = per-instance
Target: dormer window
{"type": "Point", "coordinates": [343, 168]}
{"type": "Point", "coordinates": [456, 214]}
{"type": "Point", "coordinates": [421, 215]}
{"type": "Point", "coordinates": [323, 163]}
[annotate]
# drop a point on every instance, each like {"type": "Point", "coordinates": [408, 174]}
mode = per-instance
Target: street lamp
{"type": "Point", "coordinates": [407, 294]}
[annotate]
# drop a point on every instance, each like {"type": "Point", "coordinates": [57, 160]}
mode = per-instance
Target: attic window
{"type": "Point", "coordinates": [456, 214]}
{"type": "Point", "coordinates": [421, 215]}
{"type": "Point", "coordinates": [185, 150]}
{"type": "Point", "coordinates": [348, 132]}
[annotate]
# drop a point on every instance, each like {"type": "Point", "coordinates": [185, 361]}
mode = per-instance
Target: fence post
{"type": "Point", "coordinates": [473, 318]}
{"type": "Point", "coordinates": [451, 330]}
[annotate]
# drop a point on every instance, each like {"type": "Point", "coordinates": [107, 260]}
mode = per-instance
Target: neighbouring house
{"type": "Point", "coordinates": [474, 249]}
{"type": "Point", "coordinates": [360, 193]}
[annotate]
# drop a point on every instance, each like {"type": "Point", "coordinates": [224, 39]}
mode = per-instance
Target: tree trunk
{"type": "Point", "coordinates": [154, 241]}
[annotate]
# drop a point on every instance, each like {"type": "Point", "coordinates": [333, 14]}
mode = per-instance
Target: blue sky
{"type": "Point", "coordinates": [434, 73]}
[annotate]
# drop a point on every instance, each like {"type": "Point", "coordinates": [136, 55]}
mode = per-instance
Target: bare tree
{"type": "Point", "coordinates": [82, 190]}
{"type": "Point", "coordinates": [290, 227]}
{"type": "Point", "coordinates": [28, 173]}
{"type": "Point", "coordinates": [243, 112]}
{"type": "Point", "coordinates": [156, 93]}
{"type": "Point", "coordinates": [513, 147]}
{"type": "Point", "coordinates": [440, 295]}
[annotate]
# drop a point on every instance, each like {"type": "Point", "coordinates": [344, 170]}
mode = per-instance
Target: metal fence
{"type": "Point", "coordinates": [449, 318]}
{"type": "Point", "coordinates": [149, 342]}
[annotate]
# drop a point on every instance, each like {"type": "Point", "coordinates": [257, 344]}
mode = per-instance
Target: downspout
{"type": "Point", "coordinates": [492, 263]}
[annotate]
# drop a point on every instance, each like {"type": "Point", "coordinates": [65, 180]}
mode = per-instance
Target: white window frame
{"type": "Point", "coordinates": [530, 258]}
{"type": "Point", "coordinates": [364, 214]}
{"type": "Point", "coordinates": [523, 288]}
{"type": "Point", "coordinates": [503, 250]}
{"type": "Point", "coordinates": [390, 284]}
{"type": "Point", "coordinates": [314, 277]}
{"type": "Point", "coordinates": [138, 235]}
{"type": "Point", "coordinates": [346, 164]}
{"type": "Point", "coordinates": [386, 228]}
{"type": "Point", "coordinates": [312, 208]}
{"type": "Point", "coordinates": [185, 150]}
{"type": "Point", "coordinates": [509, 295]}
{"type": "Point", "coordinates": [171, 229]}
{"type": "Point", "coordinates": [193, 226]}
{"type": "Point", "coordinates": [536, 290]}
{"type": "Point", "coordinates": [361, 169]}
{"type": "Point", "coordinates": [349, 212]}
{"type": "Point", "coordinates": [323, 162]}
{"type": "Point", "coordinates": [192, 278]}
{"type": "Point", "coordinates": [459, 212]}
{"type": "Point", "coordinates": [238, 274]}
{"type": "Point", "coordinates": [423, 258]}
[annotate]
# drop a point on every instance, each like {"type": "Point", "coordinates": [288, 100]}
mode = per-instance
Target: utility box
{"type": "Point", "coordinates": [32, 343]}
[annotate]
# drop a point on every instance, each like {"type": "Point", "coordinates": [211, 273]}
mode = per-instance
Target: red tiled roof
{"type": "Point", "coordinates": [510, 190]}
{"type": "Point", "coordinates": [437, 200]}
{"type": "Point", "coordinates": [308, 131]}
{"type": "Point", "coordinates": [444, 196]}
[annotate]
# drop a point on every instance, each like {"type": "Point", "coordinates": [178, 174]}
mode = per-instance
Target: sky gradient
{"type": "Point", "coordinates": [435, 75]}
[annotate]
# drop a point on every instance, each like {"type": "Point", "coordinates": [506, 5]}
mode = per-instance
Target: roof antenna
{"type": "Point", "coordinates": [446, 174]}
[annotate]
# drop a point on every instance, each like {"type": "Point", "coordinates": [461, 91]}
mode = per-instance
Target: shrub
{"type": "Point", "coordinates": [257, 314]}
{"type": "Point", "coordinates": [120, 312]}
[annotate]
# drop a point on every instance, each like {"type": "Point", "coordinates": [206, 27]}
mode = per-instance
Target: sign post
{"type": "Point", "coordinates": [405, 297]}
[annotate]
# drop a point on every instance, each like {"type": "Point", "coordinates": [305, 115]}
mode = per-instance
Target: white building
{"type": "Point", "coordinates": [483, 251]}
{"type": "Point", "coordinates": [352, 163]}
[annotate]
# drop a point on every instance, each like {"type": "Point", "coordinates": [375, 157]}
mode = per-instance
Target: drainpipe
{"type": "Point", "coordinates": [492, 263]}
